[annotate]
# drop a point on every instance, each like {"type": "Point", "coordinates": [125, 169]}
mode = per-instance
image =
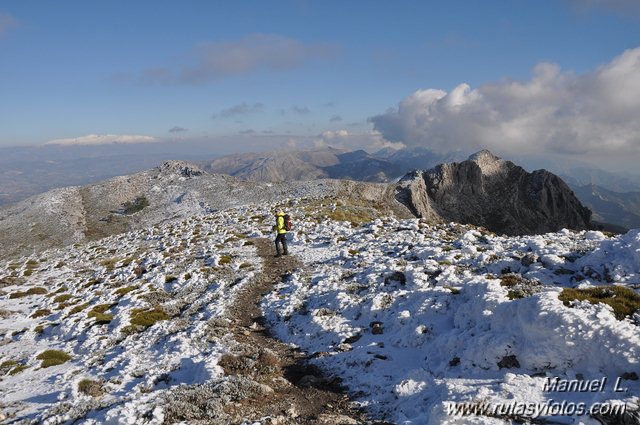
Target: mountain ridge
{"type": "Point", "coordinates": [179, 189]}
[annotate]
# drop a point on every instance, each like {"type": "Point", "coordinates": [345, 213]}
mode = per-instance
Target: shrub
{"type": "Point", "coordinates": [8, 365]}
{"type": "Point", "coordinates": [624, 301]}
{"type": "Point", "coordinates": [109, 264]}
{"type": "Point", "coordinates": [225, 259]}
{"type": "Point", "coordinates": [90, 387]}
{"type": "Point", "coordinates": [90, 283]}
{"type": "Point", "coordinates": [98, 313]}
{"type": "Point", "coordinates": [132, 207]}
{"type": "Point", "coordinates": [62, 298]}
{"type": "Point", "coordinates": [124, 291]}
{"type": "Point", "coordinates": [101, 318]}
{"type": "Point", "coordinates": [355, 216]}
{"type": "Point", "coordinates": [79, 308]}
{"type": "Point", "coordinates": [53, 358]}
{"type": "Point", "coordinates": [148, 318]}
{"type": "Point", "coordinates": [31, 291]}
{"type": "Point", "coordinates": [41, 313]}
{"type": "Point", "coordinates": [16, 370]}
{"type": "Point", "coordinates": [510, 280]}
{"type": "Point", "coordinates": [169, 279]}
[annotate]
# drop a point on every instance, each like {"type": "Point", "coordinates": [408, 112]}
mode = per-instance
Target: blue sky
{"type": "Point", "coordinates": [296, 69]}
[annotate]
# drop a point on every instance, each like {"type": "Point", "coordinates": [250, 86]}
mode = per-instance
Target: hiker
{"type": "Point", "coordinates": [281, 232]}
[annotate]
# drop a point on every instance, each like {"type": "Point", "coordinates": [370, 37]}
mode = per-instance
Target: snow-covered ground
{"type": "Point", "coordinates": [416, 318]}
{"type": "Point", "coordinates": [185, 273]}
{"type": "Point", "coordinates": [412, 317]}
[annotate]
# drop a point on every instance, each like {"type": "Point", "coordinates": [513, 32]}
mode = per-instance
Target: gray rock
{"type": "Point", "coordinates": [490, 192]}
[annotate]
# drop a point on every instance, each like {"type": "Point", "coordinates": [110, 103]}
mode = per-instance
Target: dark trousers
{"type": "Point", "coordinates": [281, 238]}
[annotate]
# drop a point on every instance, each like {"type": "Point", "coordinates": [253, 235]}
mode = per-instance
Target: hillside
{"type": "Point", "coordinates": [409, 317]}
{"type": "Point", "coordinates": [174, 190]}
{"type": "Point", "coordinates": [622, 208]}
{"type": "Point", "coordinates": [329, 162]}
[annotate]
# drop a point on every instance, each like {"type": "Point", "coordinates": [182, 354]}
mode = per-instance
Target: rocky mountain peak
{"type": "Point", "coordinates": [490, 192]}
{"type": "Point", "coordinates": [488, 162]}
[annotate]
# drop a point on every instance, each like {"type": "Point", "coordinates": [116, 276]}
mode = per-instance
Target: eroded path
{"type": "Point", "coordinates": [301, 394]}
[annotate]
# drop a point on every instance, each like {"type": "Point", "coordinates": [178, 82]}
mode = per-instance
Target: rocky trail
{"type": "Point", "coordinates": [302, 394]}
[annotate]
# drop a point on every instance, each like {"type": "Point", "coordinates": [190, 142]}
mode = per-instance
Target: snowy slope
{"type": "Point", "coordinates": [411, 317]}
{"type": "Point", "coordinates": [414, 317]}
{"type": "Point", "coordinates": [189, 270]}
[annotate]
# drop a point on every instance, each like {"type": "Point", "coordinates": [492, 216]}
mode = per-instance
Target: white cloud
{"type": "Point", "coordinates": [104, 139]}
{"type": "Point", "coordinates": [343, 139]}
{"type": "Point", "coordinates": [553, 112]}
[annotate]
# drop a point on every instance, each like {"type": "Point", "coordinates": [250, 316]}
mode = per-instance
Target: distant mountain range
{"type": "Point", "coordinates": [383, 166]}
{"type": "Point", "coordinates": [28, 171]}
{"type": "Point", "coordinates": [483, 190]}
{"type": "Point", "coordinates": [615, 209]}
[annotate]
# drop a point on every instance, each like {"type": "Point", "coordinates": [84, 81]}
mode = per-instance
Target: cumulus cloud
{"type": "Point", "coordinates": [241, 109]}
{"type": "Point", "coordinates": [104, 139]}
{"type": "Point", "coordinates": [7, 22]}
{"type": "Point", "coordinates": [553, 112]}
{"type": "Point", "coordinates": [344, 139]}
{"type": "Point", "coordinates": [253, 53]}
{"type": "Point", "coordinates": [177, 129]}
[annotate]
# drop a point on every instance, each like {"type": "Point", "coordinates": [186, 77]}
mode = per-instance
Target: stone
{"type": "Point", "coordinates": [376, 328]}
{"type": "Point", "coordinates": [509, 362]}
{"type": "Point", "coordinates": [327, 419]}
{"type": "Point", "coordinates": [496, 194]}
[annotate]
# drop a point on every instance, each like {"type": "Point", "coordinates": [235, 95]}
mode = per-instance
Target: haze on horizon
{"type": "Point", "coordinates": [555, 79]}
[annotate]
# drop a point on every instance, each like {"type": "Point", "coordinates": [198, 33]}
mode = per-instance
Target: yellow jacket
{"type": "Point", "coordinates": [279, 226]}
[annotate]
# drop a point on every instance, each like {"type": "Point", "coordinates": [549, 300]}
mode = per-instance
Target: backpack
{"type": "Point", "coordinates": [288, 225]}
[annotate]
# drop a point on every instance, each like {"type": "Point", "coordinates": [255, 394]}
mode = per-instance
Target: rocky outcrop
{"type": "Point", "coordinates": [490, 192]}
{"type": "Point", "coordinates": [181, 168]}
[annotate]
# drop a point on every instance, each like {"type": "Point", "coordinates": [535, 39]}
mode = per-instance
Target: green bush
{"type": "Point", "coordinates": [98, 313]}
{"type": "Point", "coordinates": [148, 317]}
{"type": "Point", "coordinates": [134, 206]}
{"type": "Point", "coordinates": [124, 291]}
{"type": "Point", "coordinates": [16, 370]}
{"type": "Point", "coordinates": [90, 387]}
{"type": "Point", "coordinates": [79, 308]}
{"type": "Point", "coordinates": [62, 298]}
{"type": "Point", "coordinates": [31, 291]}
{"type": "Point", "coordinates": [41, 313]}
{"type": "Point", "coordinates": [624, 301]}
{"type": "Point", "coordinates": [53, 358]}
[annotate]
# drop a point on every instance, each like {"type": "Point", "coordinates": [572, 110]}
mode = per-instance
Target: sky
{"type": "Point", "coordinates": [555, 77]}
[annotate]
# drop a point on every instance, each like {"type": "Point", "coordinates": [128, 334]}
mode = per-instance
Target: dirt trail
{"type": "Point", "coordinates": [301, 394]}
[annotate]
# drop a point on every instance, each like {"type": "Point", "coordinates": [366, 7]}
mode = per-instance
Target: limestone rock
{"type": "Point", "coordinates": [490, 192]}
